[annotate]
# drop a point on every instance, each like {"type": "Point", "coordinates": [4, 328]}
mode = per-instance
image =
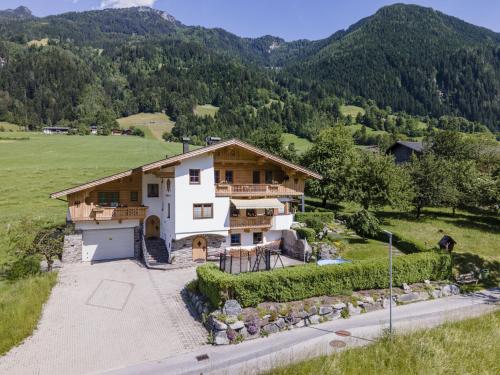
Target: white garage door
{"type": "Point", "coordinates": [108, 244]}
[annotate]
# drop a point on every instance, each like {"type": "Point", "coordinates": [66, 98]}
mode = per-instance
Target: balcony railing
{"type": "Point", "coordinates": [235, 190]}
{"type": "Point", "coordinates": [242, 222]}
{"type": "Point", "coordinates": [118, 213]}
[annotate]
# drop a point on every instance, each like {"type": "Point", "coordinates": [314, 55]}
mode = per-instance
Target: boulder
{"type": "Point", "coordinates": [353, 310]}
{"type": "Point", "coordinates": [325, 250]}
{"type": "Point", "coordinates": [237, 325]}
{"type": "Point", "coordinates": [271, 328]}
{"type": "Point", "coordinates": [339, 306]}
{"type": "Point", "coordinates": [323, 310]}
{"type": "Point", "coordinates": [313, 310]}
{"type": "Point", "coordinates": [301, 323]}
{"type": "Point", "coordinates": [220, 338]}
{"type": "Point", "coordinates": [406, 288]}
{"type": "Point", "coordinates": [454, 289]}
{"type": "Point", "coordinates": [302, 314]}
{"type": "Point", "coordinates": [217, 325]}
{"type": "Point", "coordinates": [368, 299]}
{"type": "Point", "coordinates": [446, 290]}
{"type": "Point", "coordinates": [313, 319]}
{"type": "Point", "coordinates": [409, 297]}
{"type": "Point", "coordinates": [280, 323]}
{"type": "Point", "coordinates": [333, 315]}
{"type": "Point", "coordinates": [385, 303]}
{"type": "Point", "coordinates": [243, 332]}
{"type": "Point", "coordinates": [232, 308]}
{"type": "Point", "coordinates": [436, 293]}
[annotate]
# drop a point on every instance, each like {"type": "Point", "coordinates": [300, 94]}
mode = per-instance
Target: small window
{"type": "Point", "coordinates": [256, 177]}
{"type": "Point", "coordinates": [251, 212]}
{"type": "Point", "coordinates": [134, 196]}
{"type": "Point", "coordinates": [269, 212]}
{"type": "Point", "coordinates": [235, 239]}
{"type": "Point", "coordinates": [217, 176]}
{"type": "Point", "coordinates": [194, 176]}
{"type": "Point", "coordinates": [168, 211]}
{"type": "Point", "coordinates": [269, 177]}
{"type": "Point", "coordinates": [108, 198]}
{"type": "Point", "coordinates": [203, 211]}
{"type": "Point", "coordinates": [257, 238]}
{"type": "Point", "coordinates": [153, 190]}
{"type": "Point", "coordinates": [229, 177]}
{"type": "Point", "coordinates": [168, 185]}
{"type": "Point", "coordinates": [234, 211]}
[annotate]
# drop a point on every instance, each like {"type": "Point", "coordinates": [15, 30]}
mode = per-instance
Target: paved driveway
{"type": "Point", "coordinates": [108, 315]}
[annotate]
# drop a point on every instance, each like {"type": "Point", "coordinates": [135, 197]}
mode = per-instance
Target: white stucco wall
{"type": "Point", "coordinates": [272, 235]}
{"type": "Point", "coordinates": [186, 195]}
{"type": "Point", "coordinates": [168, 223]}
{"type": "Point", "coordinates": [281, 222]}
{"type": "Point", "coordinates": [154, 204]}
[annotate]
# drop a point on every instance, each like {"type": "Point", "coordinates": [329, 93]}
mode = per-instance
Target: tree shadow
{"type": "Point", "coordinates": [468, 262]}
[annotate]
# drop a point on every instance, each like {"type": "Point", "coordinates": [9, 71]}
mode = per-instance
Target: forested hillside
{"type": "Point", "coordinates": [89, 68]}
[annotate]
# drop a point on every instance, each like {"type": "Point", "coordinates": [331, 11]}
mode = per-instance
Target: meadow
{"type": "Point", "coordinates": [466, 347]}
{"type": "Point", "coordinates": [152, 124]}
{"type": "Point", "coordinates": [203, 110]}
{"type": "Point", "coordinates": [301, 144]}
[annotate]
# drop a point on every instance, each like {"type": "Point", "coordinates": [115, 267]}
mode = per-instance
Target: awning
{"type": "Point", "coordinates": [246, 204]}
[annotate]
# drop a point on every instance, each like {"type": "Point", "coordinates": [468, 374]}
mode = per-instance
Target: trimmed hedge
{"type": "Point", "coordinates": [297, 283]}
{"type": "Point", "coordinates": [308, 234]}
{"type": "Point", "coordinates": [327, 217]}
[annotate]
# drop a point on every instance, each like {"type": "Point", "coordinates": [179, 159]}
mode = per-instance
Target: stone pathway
{"type": "Point", "coordinates": [108, 315]}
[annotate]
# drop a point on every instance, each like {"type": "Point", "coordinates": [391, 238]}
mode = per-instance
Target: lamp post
{"type": "Point", "coordinates": [390, 281]}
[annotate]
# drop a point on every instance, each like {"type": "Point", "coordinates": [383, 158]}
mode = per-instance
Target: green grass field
{"type": "Point", "coordinates": [153, 124]}
{"type": "Point", "coordinates": [466, 347]}
{"type": "Point", "coordinates": [205, 110]}
{"type": "Point", "coordinates": [301, 144]}
{"type": "Point", "coordinates": [8, 127]}
{"type": "Point", "coordinates": [369, 131]}
{"type": "Point", "coordinates": [351, 110]}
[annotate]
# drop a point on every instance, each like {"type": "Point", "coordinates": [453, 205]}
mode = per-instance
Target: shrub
{"type": "Point", "coordinates": [315, 223]}
{"type": "Point", "coordinates": [300, 282]}
{"type": "Point", "coordinates": [325, 217]}
{"type": "Point", "coordinates": [308, 234]}
{"type": "Point", "coordinates": [364, 223]}
{"type": "Point", "coordinates": [23, 267]}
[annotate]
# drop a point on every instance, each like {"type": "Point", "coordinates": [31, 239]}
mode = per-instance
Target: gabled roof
{"type": "Point", "coordinates": [178, 158]}
{"type": "Point", "coordinates": [415, 146]}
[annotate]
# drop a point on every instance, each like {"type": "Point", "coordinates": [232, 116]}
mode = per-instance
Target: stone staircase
{"type": "Point", "coordinates": [156, 252]}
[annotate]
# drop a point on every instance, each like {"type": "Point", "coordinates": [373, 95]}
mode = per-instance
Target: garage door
{"type": "Point", "coordinates": [108, 244]}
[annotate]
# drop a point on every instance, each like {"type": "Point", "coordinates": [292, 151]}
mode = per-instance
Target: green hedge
{"type": "Point", "coordinates": [308, 234]}
{"type": "Point", "coordinates": [297, 283]}
{"type": "Point", "coordinates": [327, 217]}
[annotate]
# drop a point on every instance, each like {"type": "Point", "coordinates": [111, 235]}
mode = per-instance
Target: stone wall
{"type": "Point", "coordinates": [137, 242]}
{"type": "Point", "coordinates": [293, 246]}
{"type": "Point", "coordinates": [72, 248]}
{"type": "Point", "coordinates": [183, 252]}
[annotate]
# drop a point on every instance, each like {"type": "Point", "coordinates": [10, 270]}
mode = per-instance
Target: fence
{"type": "Point", "coordinates": [260, 258]}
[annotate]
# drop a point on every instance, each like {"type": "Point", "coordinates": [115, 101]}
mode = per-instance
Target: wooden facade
{"type": "Point", "coordinates": [85, 205]}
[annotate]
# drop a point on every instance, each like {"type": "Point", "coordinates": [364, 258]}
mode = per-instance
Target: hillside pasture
{"type": "Point", "coordinates": [351, 110]}
{"type": "Point", "coordinates": [301, 144]}
{"type": "Point", "coordinates": [153, 124]}
{"type": "Point", "coordinates": [205, 110]}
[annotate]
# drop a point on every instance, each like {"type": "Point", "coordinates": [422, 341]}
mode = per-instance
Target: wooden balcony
{"type": "Point", "coordinates": [118, 213]}
{"type": "Point", "coordinates": [254, 190]}
{"type": "Point", "coordinates": [243, 222]}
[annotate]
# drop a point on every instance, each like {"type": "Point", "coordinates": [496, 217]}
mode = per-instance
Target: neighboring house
{"type": "Point", "coordinates": [93, 129]}
{"type": "Point", "coordinates": [403, 150]}
{"type": "Point", "coordinates": [187, 207]}
{"type": "Point", "coordinates": [55, 130]}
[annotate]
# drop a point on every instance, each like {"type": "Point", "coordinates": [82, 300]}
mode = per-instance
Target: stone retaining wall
{"type": "Point", "coordinates": [72, 248]}
{"type": "Point", "coordinates": [293, 246]}
{"type": "Point", "coordinates": [183, 252]}
{"type": "Point", "coordinates": [233, 325]}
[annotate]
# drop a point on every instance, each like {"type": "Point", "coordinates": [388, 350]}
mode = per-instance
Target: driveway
{"type": "Point", "coordinates": [108, 315]}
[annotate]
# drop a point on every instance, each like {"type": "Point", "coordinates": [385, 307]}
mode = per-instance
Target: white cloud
{"type": "Point", "coordinates": [126, 3]}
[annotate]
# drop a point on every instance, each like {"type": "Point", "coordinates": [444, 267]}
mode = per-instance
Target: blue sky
{"type": "Point", "coordinates": [289, 19]}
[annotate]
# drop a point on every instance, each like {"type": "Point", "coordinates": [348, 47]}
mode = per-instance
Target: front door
{"type": "Point", "coordinates": [199, 249]}
{"type": "Point", "coordinates": [153, 227]}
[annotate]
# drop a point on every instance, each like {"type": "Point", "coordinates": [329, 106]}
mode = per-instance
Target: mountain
{"type": "Point", "coordinates": [410, 58]}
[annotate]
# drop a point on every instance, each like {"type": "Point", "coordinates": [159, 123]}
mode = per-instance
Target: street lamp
{"type": "Point", "coordinates": [390, 281]}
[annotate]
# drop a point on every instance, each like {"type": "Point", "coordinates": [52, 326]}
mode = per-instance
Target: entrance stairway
{"type": "Point", "coordinates": [155, 252]}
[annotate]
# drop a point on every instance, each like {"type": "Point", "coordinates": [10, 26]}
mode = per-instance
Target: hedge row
{"type": "Point", "coordinates": [327, 217]}
{"type": "Point", "coordinates": [308, 234]}
{"type": "Point", "coordinates": [297, 283]}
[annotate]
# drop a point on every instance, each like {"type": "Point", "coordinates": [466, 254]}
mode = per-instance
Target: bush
{"type": "Point", "coordinates": [364, 223]}
{"type": "Point", "coordinates": [308, 234]}
{"type": "Point", "coordinates": [23, 267]}
{"type": "Point", "coordinates": [300, 282]}
{"type": "Point", "coordinates": [315, 223]}
{"type": "Point", "coordinates": [325, 217]}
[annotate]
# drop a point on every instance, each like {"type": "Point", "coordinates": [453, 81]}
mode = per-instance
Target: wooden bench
{"type": "Point", "coordinates": [467, 278]}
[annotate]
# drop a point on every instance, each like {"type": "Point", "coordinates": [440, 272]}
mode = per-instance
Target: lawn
{"type": "Point", "coordinates": [205, 110]}
{"type": "Point", "coordinates": [8, 127]}
{"type": "Point", "coordinates": [466, 347]}
{"type": "Point", "coordinates": [352, 110]}
{"type": "Point", "coordinates": [153, 124]}
{"type": "Point", "coordinates": [20, 306]}
{"type": "Point", "coordinates": [301, 144]}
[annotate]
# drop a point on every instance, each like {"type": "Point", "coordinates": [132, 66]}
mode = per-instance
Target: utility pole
{"type": "Point", "coordinates": [390, 281]}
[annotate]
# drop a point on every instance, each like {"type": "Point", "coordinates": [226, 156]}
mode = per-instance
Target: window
{"type": "Point", "coordinates": [256, 177]}
{"type": "Point", "coordinates": [153, 191]}
{"type": "Point", "coordinates": [234, 211]}
{"type": "Point", "coordinates": [203, 211]}
{"type": "Point", "coordinates": [168, 185]}
{"type": "Point", "coordinates": [251, 212]}
{"type": "Point", "coordinates": [269, 212]}
{"type": "Point", "coordinates": [108, 198]}
{"type": "Point", "coordinates": [235, 239]}
{"type": "Point", "coordinates": [229, 177]}
{"type": "Point", "coordinates": [134, 196]}
{"type": "Point", "coordinates": [269, 177]}
{"type": "Point", "coordinates": [257, 238]}
{"type": "Point", "coordinates": [194, 176]}
{"type": "Point", "coordinates": [168, 211]}
{"type": "Point", "coordinates": [217, 176]}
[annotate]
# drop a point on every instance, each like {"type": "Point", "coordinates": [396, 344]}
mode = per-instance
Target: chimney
{"type": "Point", "coordinates": [212, 140]}
{"type": "Point", "coordinates": [185, 144]}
